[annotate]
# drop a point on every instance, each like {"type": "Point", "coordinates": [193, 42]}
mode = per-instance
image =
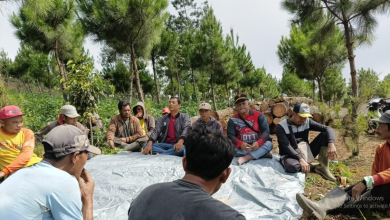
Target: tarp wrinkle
{"type": "Point", "coordinates": [260, 189]}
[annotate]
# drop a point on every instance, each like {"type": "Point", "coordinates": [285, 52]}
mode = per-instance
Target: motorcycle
{"type": "Point", "coordinates": [377, 106]}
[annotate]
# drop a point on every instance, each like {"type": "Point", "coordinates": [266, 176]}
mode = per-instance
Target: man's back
{"type": "Point", "coordinates": [179, 200]}
{"type": "Point", "coordinates": [40, 192]}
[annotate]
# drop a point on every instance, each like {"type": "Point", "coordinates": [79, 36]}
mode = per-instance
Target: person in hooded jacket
{"type": "Point", "coordinates": [146, 121]}
{"type": "Point", "coordinates": [206, 120]}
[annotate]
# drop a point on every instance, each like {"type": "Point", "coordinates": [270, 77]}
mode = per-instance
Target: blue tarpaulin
{"type": "Point", "coordinates": [260, 189]}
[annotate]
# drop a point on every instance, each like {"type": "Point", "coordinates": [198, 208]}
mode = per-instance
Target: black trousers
{"type": "Point", "coordinates": [379, 199]}
{"type": "Point", "coordinates": [291, 165]}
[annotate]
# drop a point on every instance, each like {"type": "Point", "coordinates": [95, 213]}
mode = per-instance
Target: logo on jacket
{"type": "Point", "coordinates": [240, 124]}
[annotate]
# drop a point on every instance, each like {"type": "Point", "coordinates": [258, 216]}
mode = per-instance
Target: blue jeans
{"type": "Point", "coordinates": [167, 149]}
{"type": "Point", "coordinates": [266, 148]}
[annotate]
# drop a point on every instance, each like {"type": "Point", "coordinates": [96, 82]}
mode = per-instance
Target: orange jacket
{"type": "Point", "coordinates": [381, 166]}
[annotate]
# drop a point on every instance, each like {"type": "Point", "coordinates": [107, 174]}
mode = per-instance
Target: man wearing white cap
{"type": "Point", "coordinates": [205, 120]}
{"type": "Point", "coordinates": [294, 132]}
{"type": "Point", "coordinates": [68, 116]}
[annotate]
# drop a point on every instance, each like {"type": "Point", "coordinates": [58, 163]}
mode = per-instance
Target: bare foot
{"type": "Point", "coordinates": [244, 159]}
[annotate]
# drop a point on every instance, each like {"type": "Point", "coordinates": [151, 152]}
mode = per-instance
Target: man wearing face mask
{"type": "Point", "coordinates": [58, 187]}
{"type": "Point", "coordinates": [249, 131]}
{"type": "Point", "coordinates": [300, 123]}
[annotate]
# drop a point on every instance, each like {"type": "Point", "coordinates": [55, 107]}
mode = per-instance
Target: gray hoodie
{"type": "Point", "coordinates": [213, 124]}
{"type": "Point", "coordinates": [149, 120]}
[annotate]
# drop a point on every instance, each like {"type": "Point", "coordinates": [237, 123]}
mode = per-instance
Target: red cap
{"type": "Point", "coordinates": [166, 111]}
{"type": "Point", "coordinates": [10, 111]}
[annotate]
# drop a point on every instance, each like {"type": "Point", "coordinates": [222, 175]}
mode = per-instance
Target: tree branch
{"type": "Point", "coordinates": [331, 11]}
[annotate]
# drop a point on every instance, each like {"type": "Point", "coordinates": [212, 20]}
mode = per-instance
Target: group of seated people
{"type": "Point", "coordinates": [58, 186]}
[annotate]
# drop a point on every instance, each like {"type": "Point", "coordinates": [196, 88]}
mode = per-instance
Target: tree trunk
{"type": "Point", "coordinates": [25, 84]}
{"type": "Point", "coordinates": [131, 81]}
{"type": "Point", "coordinates": [155, 79]}
{"type": "Point", "coordinates": [29, 86]}
{"type": "Point", "coordinates": [134, 60]}
{"type": "Point", "coordinates": [49, 77]}
{"type": "Point", "coordinates": [212, 89]}
{"type": "Point", "coordinates": [351, 58]}
{"type": "Point", "coordinates": [178, 82]}
{"type": "Point", "coordinates": [320, 89]}
{"type": "Point", "coordinates": [238, 87]}
{"type": "Point", "coordinates": [193, 82]}
{"type": "Point", "coordinates": [227, 93]}
{"type": "Point", "coordinates": [314, 90]}
{"type": "Point", "coordinates": [173, 88]}
{"type": "Point", "coordinates": [39, 87]}
{"type": "Point", "coordinates": [61, 68]}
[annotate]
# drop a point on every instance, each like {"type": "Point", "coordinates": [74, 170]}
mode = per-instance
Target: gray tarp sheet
{"type": "Point", "coordinates": [259, 189]}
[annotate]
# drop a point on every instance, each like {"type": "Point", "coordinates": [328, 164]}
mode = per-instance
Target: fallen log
{"type": "Point", "coordinates": [269, 117]}
{"type": "Point", "coordinates": [264, 107]}
{"type": "Point", "coordinates": [222, 114]}
{"type": "Point", "coordinates": [278, 120]}
{"type": "Point", "coordinates": [193, 119]}
{"type": "Point", "coordinates": [271, 102]}
{"type": "Point", "coordinates": [280, 109]}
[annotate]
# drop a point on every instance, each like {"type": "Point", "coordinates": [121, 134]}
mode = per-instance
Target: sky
{"type": "Point", "coordinates": [260, 25]}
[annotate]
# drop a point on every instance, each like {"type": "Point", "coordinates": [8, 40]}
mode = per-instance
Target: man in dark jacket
{"type": "Point", "coordinates": [249, 131]}
{"type": "Point", "coordinates": [323, 145]}
{"type": "Point", "coordinates": [68, 115]}
{"type": "Point", "coordinates": [125, 130]}
{"type": "Point", "coordinates": [171, 131]}
{"type": "Point", "coordinates": [206, 120]}
{"type": "Point", "coordinates": [146, 121]}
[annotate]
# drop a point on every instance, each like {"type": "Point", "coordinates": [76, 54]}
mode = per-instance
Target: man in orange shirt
{"type": "Point", "coordinates": [372, 192]}
{"type": "Point", "coordinates": [16, 143]}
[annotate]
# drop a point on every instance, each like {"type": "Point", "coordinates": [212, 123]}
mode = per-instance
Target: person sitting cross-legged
{"type": "Point", "coordinates": [171, 131]}
{"type": "Point", "coordinates": [249, 131]}
{"type": "Point", "coordinates": [125, 130]}
{"type": "Point", "coordinates": [206, 167]}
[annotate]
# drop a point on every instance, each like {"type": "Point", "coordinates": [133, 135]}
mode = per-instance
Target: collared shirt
{"type": "Point", "coordinates": [171, 135]}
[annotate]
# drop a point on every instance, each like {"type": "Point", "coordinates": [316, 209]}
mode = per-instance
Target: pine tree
{"type": "Point", "coordinates": [129, 26]}
{"type": "Point", "coordinates": [51, 29]}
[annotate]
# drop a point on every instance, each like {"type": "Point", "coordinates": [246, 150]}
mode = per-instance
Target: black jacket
{"type": "Point", "coordinates": [182, 127]}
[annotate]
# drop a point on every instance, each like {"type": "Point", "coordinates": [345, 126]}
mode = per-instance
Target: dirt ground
{"type": "Point", "coordinates": [355, 167]}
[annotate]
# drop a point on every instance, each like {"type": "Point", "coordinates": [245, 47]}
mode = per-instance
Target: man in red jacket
{"type": "Point", "coordinates": [249, 131]}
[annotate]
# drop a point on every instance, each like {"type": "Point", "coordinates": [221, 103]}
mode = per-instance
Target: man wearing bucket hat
{"type": "Point", "coordinates": [16, 143]}
{"type": "Point", "coordinates": [58, 187]}
{"type": "Point", "coordinates": [205, 120]}
{"type": "Point", "coordinates": [294, 132]}
{"type": "Point", "coordinates": [373, 191]}
{"type": "Point", "coordinates": [68, 116]}
{"type": "Point", "coordinates": [249, 131]}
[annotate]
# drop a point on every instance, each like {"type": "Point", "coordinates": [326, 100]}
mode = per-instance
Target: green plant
{"type": "Point", "coordinates": [339, 169]}
{"type": "Point", "coordinates": [84, 86]}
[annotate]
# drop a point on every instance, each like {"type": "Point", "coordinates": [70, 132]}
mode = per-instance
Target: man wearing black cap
{"type": "Point", "coordinates": [299, 124]}
{"type": "Point", "coordinates": [58, 187]}
{"type": "Point", "coordinates": [249, 131]}
{"type": "Point", "coordinates": [372, 192]}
